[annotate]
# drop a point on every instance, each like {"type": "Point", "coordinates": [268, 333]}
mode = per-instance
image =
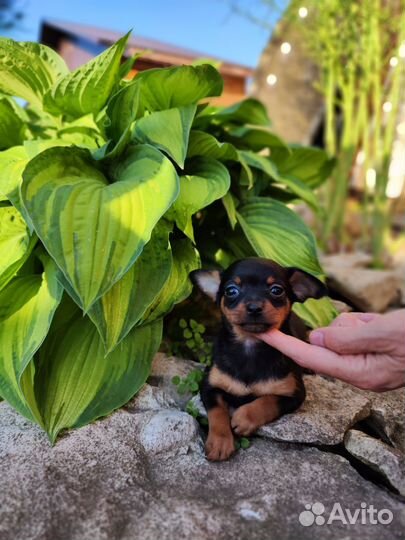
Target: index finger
{"type": "Point", "coordinates": [318, 359]}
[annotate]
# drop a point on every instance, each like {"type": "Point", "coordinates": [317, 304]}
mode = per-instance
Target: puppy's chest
{"type": "Point", "coordinates": [245, 375]}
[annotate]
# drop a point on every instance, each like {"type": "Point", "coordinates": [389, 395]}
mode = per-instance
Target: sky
{"type": "Point", "coordinates": [210, 27]}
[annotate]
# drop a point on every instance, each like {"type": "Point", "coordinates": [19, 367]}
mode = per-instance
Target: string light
{"type": "Point", "coordinates": [401, 129]}
{"type": "Point", "coordinates": [285, 47]}
{"type": "Point", "coordinates": [387, 106]}
{"type": "Point", "coordinates": [303, 12]}
{"type": "Point", "coordinates": [271, 79]}
{"type": "Point", "coordinates": [371, 177]}
{"type": "Point", "coordinates": [393, 61]}
{"type": "Point", "coordinates": [401, 51]}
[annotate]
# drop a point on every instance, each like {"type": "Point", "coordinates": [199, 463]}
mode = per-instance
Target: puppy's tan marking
{"type": "Point", "coordinates": [220, 442]}
{"type": "Point", "coordinates": [249, 418]}
{"type": "Point", "coordinates": [235, 315]}
{"type": "Point", "coordinates": [237, 280]}
{"type": "Point", "coordinates": [276, 315]}
{"type": "Point", "coordinates": [277, 387]}
{"type": "Point", "coordinates": [270, 280]}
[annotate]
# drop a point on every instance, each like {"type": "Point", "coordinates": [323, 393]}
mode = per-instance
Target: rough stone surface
{"type": "Point", "coordinates": [108, 481]}
{"type": "Point", "coordinates": [330, 409]}
{"type": "Point", "coordinates": [387, 416]}
{"type": "Point", "coordinates": [357, 259]}
{"type": "Point", "coordinates": [164, 368]}
{"type": "Point", "coordinates": [141, 474]}
{"type": "Point", "coordinates": [350, 274]}
{"type": "Point", "coordinates": [381, 457]}
{"type": "Point", "coordinates": [366, 289]}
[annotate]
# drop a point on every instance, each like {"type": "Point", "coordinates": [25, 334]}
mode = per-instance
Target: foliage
{"type": "Point", "coordinates": [356, 46]}
{"type": "Point", "coordinates": [107, 187]}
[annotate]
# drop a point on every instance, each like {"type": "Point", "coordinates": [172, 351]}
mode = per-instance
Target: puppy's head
{"type": "Point", "coordinates": [255, 295]}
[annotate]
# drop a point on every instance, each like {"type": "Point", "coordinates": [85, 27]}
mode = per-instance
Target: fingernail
{"type": "Point", "coordinates": [317, 338]}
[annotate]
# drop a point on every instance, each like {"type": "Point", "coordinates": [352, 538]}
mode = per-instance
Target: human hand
{"type": "Point", "coordinates": [366, 350]}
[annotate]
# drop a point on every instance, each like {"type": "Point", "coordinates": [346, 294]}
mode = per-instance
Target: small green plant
{"type": "Point", "coordinates": [195, 413]}
{"type": "Point", "coordinates": [194, 347]}
{"type": "Point", "coordinates": [194, 343]}
{"type": "Point", "coordinates": [243, 443]}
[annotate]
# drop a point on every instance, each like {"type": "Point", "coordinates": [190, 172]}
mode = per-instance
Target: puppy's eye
{"type": "Point", "coordinates": [231, 291]}
{"type": "Point", "coordinates": [276, 290]}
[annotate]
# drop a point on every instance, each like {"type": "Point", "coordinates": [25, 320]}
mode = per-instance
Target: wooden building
{"type": "Point", "coordinates": [78, 43]}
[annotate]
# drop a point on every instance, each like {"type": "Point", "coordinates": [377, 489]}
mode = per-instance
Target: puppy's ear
{"type": "Point", "coordinates": [305, 285]}
{"type": "Point", "coordinates": [208, 281]}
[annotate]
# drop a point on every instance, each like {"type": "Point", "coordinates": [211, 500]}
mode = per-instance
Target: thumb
{"type": "Point", "coordinates": [349, 340]}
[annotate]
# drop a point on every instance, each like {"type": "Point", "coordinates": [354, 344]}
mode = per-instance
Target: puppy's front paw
{"type": "Point", "coordinates": [219, 447]}
{"type": "Point", "coordinates": [242, 422]}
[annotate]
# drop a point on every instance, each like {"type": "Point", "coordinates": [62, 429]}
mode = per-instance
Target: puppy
{"type": "Point", "coordinates": [250, 383]}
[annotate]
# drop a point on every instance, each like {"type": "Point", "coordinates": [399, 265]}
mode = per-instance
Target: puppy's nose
{"type": "Point", "coordinates": [254, 308]}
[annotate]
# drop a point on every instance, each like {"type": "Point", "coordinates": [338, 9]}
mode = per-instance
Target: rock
{"type": "Point", "coordinates": [381, 457]}
{"type": "Point", "coordinates": [152, 398]}
{"type": "Point", "coordinates": [164, 368]}
{"type": "Point", "coordinates": [168, 431]}
{"type": "Point", "coordinates": [357, 259]}
{"type": "Point", "coordinates": [330, 409]}
{"type": "Point", "coordinates": [366, 289]}
{"type": "Point", "coordinates": [114, 480]}
{"type": "Point", "coordinates": [387, 416]}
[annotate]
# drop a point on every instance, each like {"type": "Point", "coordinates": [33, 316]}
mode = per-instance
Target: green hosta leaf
{"type": "Point", "coordinates": [230, 208]}
{"type": "Point", "coordinates": [82, 132]}
{"type": "Point", "coordinates": [277, 233]}
{"type": "Point", "coordinates": [248, 111]}
{"type": "Point", "coordinates": [270, 169]}
{"type": "Point", "coordinates": [27, 306]}
{"type": "Point", "coordinates": [256, 139]}
{"type": "Point", "coordinates": [122, 110]}
{"type": "Point", "coordinates": [178, 86]}
{"type": "Point", "coordinates": [15, 243]}
{"type": "Point", "coordinates": [128, 65]}
{"type": "Point", "coordinates": [123, 305]}
{"type": "Point", "coordinates": [168, 130]}
{"type": "Point", "coordinates": [12, 164]}
{"type": "Point", "coordinates": [208, 181]}
{"type": "Point", "coordinates": [28, 70]}
{"type": "Point", "coordinates": [204, 144]}
{"type": "Point", "coordinates": [87, 89]}
{"type": "Point", "coordinates": [178, 286]}
{"type": "Point", "coordinates": [75, 382]}
{"type": "Point", "coordinates": [310, 165]}
{"type": "Point", "coordinates": [316, 313]}
{"type": "Point", "coordinates": [95, 230]}
{"type": "Point", "coordinates": [13, 123]}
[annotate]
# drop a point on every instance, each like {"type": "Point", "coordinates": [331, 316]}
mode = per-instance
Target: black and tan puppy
{"type": "Point", "coordinates": [250, 383]}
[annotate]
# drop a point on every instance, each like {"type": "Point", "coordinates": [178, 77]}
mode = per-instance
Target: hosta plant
{"type": "Point", "coordinates": [111, 192]}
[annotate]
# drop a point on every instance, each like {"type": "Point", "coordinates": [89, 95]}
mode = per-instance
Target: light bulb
{"type": "Point", "coordinates": [271, 79]}
{"type": "Point", "coordinates": [285, 47]}
{"type": "Point", "coordinates": [387, 106]}
{"type": "Point", "coordinates": [303, 12]}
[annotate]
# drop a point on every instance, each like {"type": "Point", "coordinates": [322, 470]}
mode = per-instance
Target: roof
{"type": "Point", "coordinates": [99, 38]}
